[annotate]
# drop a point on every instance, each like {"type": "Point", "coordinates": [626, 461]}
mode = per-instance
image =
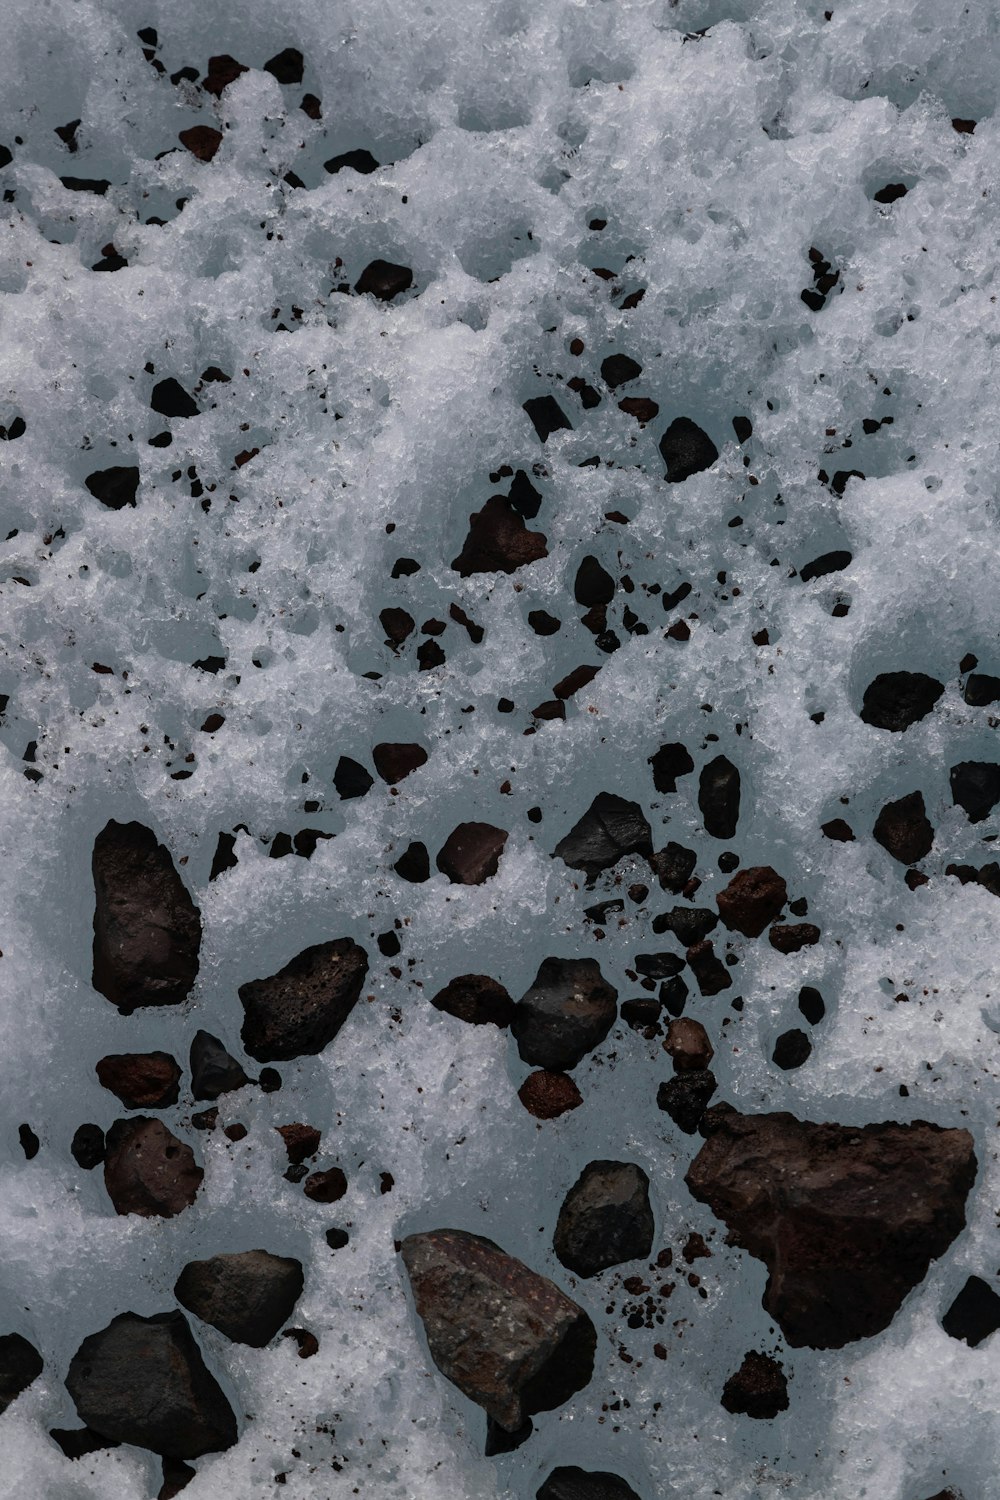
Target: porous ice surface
{"type": "Point", "coordinates": [720, 140]}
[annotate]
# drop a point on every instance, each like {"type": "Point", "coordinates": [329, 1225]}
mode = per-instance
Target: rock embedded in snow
{"type": "Point", "coordinates": [759, 1388]}
{"type": "Point", "coordinates": [384, 280]}
{"type": "Point", "coordinates": [686, 1097]}
{"type": "Point", "coordinates": [328, 1186]}
{"type": "Point", "coordinates": [571, 1483]}
{"type": "Point", "coordinates": [904, 829]}
{"type": "Point", "coordinates": [87, 1147]}
{"type": "Point", "coordinates": [873, 1206]}
{"type": "Point", "coordinates": [898, 700]}
{"type": "Point", "coordinates": [247, 1296]}
{"type": "Point", "coordinates": [975, 1313]}
{"type": "Point", "coordinates": [301, 1141]}
{"type": "Point", "coordinates": [611, 828]}
{"type": "Point", "coordinates": [300, 1009]}
{"type": "Point", "coordinates": [719, 789]}
{"type": "Point", "coordinates": [143, 1380]}
{"type": "Point", "coordinates": [567, 1012]}
{"type": "Point", "coordinates": [141, 1080]}
{"type": "Point", "coordinates": [547, 1095]}
{"type": "Point", "coordinates": [975, 787]}
{"type": "Point", "coordinates": [148, 1171]}
{"type": "Point", "coordinates": [498, 541]}
{"type": "Point", "coordinates": [686, 449]}
{"type": "Point", "coordinates": [688, 1046]}
{"type": "Point", "coordinates": [477, 999]}
{"type": "Point", "coordinates": [20, 1364]}
{"type": "Point", "coordinates": [507, 1337]}
{"type": "Point", "coordinates": [214, 1071]}
{"type": "Point", "coordinates": [605, 1218]}
{"type": "Point", "coordinates": [471, 853]}
{"type": "Point", "coordinates": [752, 899]}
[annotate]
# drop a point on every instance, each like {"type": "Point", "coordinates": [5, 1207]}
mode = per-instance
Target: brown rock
{"type": "Point", "coordinates": [708, 969]}
{"type": "Point", "coordinates": [141, 1080]}
{"type": "Point", "coordinates": [201, 140]}
{"type": "Point", "coordinates": [222, 71]}
{"type": "Point", "coordinates": [148, 1171]}
{"type": "Point", "coordinates": [506, 1336]}
{"type": "Point", "coordinates": [471, 853]}
{"type": "Point", "coordinates": [475, 998]}
{"type": "Point", "coordinates": [847, 1219]}
{"type": "Point", "coordinates": [147, 930]}
{"type": "Point", "coordinates": [752, 899]}
{"type": "Point", "coordinates": [688, 1045]}
{"type": "Point", "coordinates": [300, 1009]}
{"type": "Point", "coordinates": [499, 541]}
{"type": "Point", "coordinates": [326, 1187]}
{"type": "Point", "coordinates": [394, 762]}
{"type": "Point", "coordinates": [246, 1296]}
{"type": "Point", "coordinates": [567, 686]}
{"type": "Point", "coordinates": [300, 1141]}
{"type": "Point", "coordinates": [548, 1095]}
{"type": "Point", "coordinates": [789, 937]}
{"type": "Point", "coordinates": [759, 1388]}
{"type": "Point", "coordinates": [903, 829]}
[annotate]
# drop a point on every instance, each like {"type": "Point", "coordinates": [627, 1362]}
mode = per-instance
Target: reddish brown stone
{"type": "Point", "coordinates": [574, 681]}
{"type": "Point", "coordinates": [752, 899]}
{"type": "Point", "coordinates": [141, 1080]}
{"type": "Point", "coordinates": [300, 1141]}
{"type": "Point", "coordinates": [471, 853]}
{"type": "Point", "coordinates": [789, 937]}
{"type": "Point", "coordinates": [326, 1187]}
{"type": "Point", "coordinates": [394, 762]}
{"type": "Point", "coordinates": [688, 1045]}
{"type": "Point", "coordinates": [148, 1171]}
{"type": "Point", "coordinates": [548, 1095]}
{"type": "Point", "coordinates": [201, 140]}
{"type": "Point", "coordinates": [498, 541]}
{"type": "Point", "coordinates": [475, 998]}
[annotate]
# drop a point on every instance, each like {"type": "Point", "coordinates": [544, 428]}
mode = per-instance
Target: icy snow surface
{"type": "Point", "coordinates": [719, 141]}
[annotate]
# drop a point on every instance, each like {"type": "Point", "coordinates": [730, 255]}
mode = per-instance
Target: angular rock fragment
{"type": "Point", "coordinates": [790, 937]}
{"type": "Point", "coordinates": [475, 998]}
{"type": "Point", "coordinates": [981, 688]}
{"type": "Point", "coordinates": [759, 1388]}
{"type": "Point", "coordinates": [904, 830]}
{"type": "Point", "coordinates": [351, 779]}
{"type": "Point", "coordinates": [811, 1004]}
{"type": "Point", "coordinates": [358, 160]}
{"type": "Point", "coordinates": [791, 1050]}
{"type": "Point", "coordinates": [397, 623]}
{"type": "Point", "coordinates": [689, 924]}
{"type": "Point", "coordinates": [87, 1147]}
{"type": "Point", "coordinates": [610, 829]}
{"type": "Point", "coordinates": [115, 487]}
{"type": "Point", "coordinates": [300, 1141]}
{"type": "Point", "coordinates": [619, 368]}
{"type": "Point", "coordinates": [686, 449]}
{"type": "Point", "coordinates": [507, 1337]}
{"type": "Point", "coordinates": [674, 866]}
{"type": "Point", "coordinates": [658, 965]}
{"type": "Point", "coordinates": [669, 762]}
{"type": "Point", "coordinates": [895, 700]}
{"type": "Point", "coordinates": [752, 899]}
{"type": "Point", "coordinates": [839, 830]}
{"type": "Point", "coordinates": [975, 787]}
{"type": "Point", "coordinates": [246, 1296]}
{"type": "Point", "coordinates": [498, 541]}
{"type": "Point", "coordinates": [688, 1046]}
{"type": "Point", "coordinates": [570, 1483]}
{"type": "Point", "coordinates": [147, 930]}
{"type": "Point", "coordinates": [300, 1009]}
{"type": "Point", "coordinates": [685, 1098]}
{"type": "Point", "coordinates": [143, 1381]}
{"type": "Point", "coordinates": [567, 1012]}
{"type": "Point", "coordinates": [593, 584]}
{"type": "Point", "coordinates": [170, 399]}
{"type": "Point", "coordinates": [547, 1095]}
{"type": "Point", "coordinates": [222, 71]}
{"type": "Point", "coordinates": [78, 1442]}
{"type": "Point", "coordinates": [20, 1364]}
{"type": "Point", "coordinates": [414, 864]}
{"type": "Point", "coordinates": [286, 66]}
{"type": "Point", "coordinates": [546, 415]}
{"type": "Point", "coordinates": [975, 1313]}
{"type": "Point", "coordinates": [177, 1475]}
{"type": "Point", "coordinates": [605, 1218]}
{"type": "Point", "coordinates": [471, 853]}
{"type": "Point", "coordinates": [395, 762]}
{"type": "Point", "coordinates": [872, 1207]}
{"type": "Point", "coordinates": [214, 1071]}
{"type": "Point", "coordinates": [821, 567]}
{"type": "Point", "coordinates": [719, 797]}
{"type": "Point", "coordinates": [384, 280]}
{"type": "Point", "coordinates": [148, 1171]}
{"type": "Point", "coordinates": [140, 1080]}
{"type": "Point", "coordinates": [326, 1187]}
{"type": "Point", "coordinates": [708, 969]}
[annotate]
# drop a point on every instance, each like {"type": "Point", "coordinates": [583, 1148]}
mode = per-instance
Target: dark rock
{"type": "Point", "coordinates": [430, 655]}
{"type": "Point", "coordinates": [873, 1205]}
{"type": "Point", "coordinates": [571, 1483]}
{"type": "Point", "coordinates": [642, 408]}
{"type": "Point", "coordinates": [115, 487]}
{"type": "Point", "coordinates": [326, 1187]}
{"type": "Point", "coordinates": [719, 797]}
{"type": "Point", "coordinates": [546, 415]}
{"type": "Point", "coordinates": [96, 185]}
{"type": "Point", "coordinates": [547, 1095]}
{"type": "Point", "coordinates": [975, 787]}
{"type": "Point", "coordinates": [394, 762]}
{"type": "Point", "coordinates": [619, 368]}
{"type": "Point", "coordinates": [567, 1012]}
{"type": "Point", "coordinates": [358, 160]}
{"type": "Point", "coordinates": [658, 965]}
{"type": "Point", "coordinates": [246, 1296]}
{"type": "Point", "coordinates": [903, 829]}
{"type": "Point", "coordinates": [642, 1014]}
{"type": "Point", "coordinates": [821, 567]}
{"type": "Point", "coordinates": [525, 499]}
{"type": "Point", "coordinates": [222, 71]}
{"type": "Point", "coordinates": [981, 689]}
{"type": "Point", "coordinates": [499, 1440]}
{"type": "Point", "coordinates": [975, 1313]}
{"type": "Point", "coordinates": [384, 280]}
{"type": "Point", "coordinates": [839, 830]}
{"type": "Point", "coordinates": [286, 66]}
{"type": "Point", "coordinates": [688, 1046]}
{"type": "Point", "coordinates": [205, 1119]}
{"type": "Point", "coordinates": [507, 1337]}
{"type": "Point", "coordinates": [669, 762]}
{"type": "Point", "coordinates": [79, 1442]}
{"type": "Point", "coordinates": [337, 1238]}
{"type": "Point", "coordinates": [605, 1218]}
{"type": "Point", "coordinates": [308, 1343]}
{"type": "Point", "coordinates": [6, 156]}
{"type": "Point", "coordinates": [476, 998]}
{"type": "Point", "coordinates": [170, 399]}
{"type": "Point", "coordinates": [471, 853]}
{"type": "Point", "coordinates": [674, 866]}
{"type": "Point", "coordinates": [300, 1141]}
{"type": "Point", "coordinates": [708, 969]}
{"type": "Point", "coordinates": [498, 541]}
{"type": "Point", "coordinates": [988, 876]}
{"type": "Point", "coordinates": [689, 924]}
{"type": "Point", "coordinates": [141, 1080]}
{"type": "Point", "coordinates": [148, 1171]}
{"type": "Point", "coordinates": [397, 623]}
{"type": "Point", "coordinates": [743, 428]}
{"type": "Point", "coordinates": [177, 1475]}
{"type": "Point", "coordinates": [29, 1142]}
{"type": "Point", "coordinates": [224, 857]}
{"type": "Point", "coordinates": [571, 684]}
{"type": "Point", "coordinates": [414, 864]}
{"type": "Point", "coordinates": [686, 449]}
{"type": "Point", "coordinates": [143, 1381]}
{"type": "Point", "coordinates": [752, 899]}
{"type": "Point", "coordinates": [87, 1147]}
{"type": "Point", "coordinates": [147, 930]}
{"type": "Point", "coordinates": [673, 994]}
{"type": "Point", "coordinates": [214, 1071]}
{"type": "Point", "coordinates": [593, 585]}
{"type": "Point", "coordinates": [350, 779]}
{"type": "Point", "coordinates": [300, 1009]}
{"type": "Point", "coordinates": [890, 192]}
{"type": "Point", "coordinates": [791, 1049]}
{"type": "Point", "coordinates": [759, 1388]}
{"type": "Point", "coordinates": [543, 623]}
{"type": "Point", "coordinates": [895, 700]}
{"type": "Point", "coordinates": [811, 1004]}
{"type": "Point", "coordinates": [20, 1364]}
{"type": "Point", "coordinates": [610, 829]}
{"type": "Point", "coordinates": [790, 937]}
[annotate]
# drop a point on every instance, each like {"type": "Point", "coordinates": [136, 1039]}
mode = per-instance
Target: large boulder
{"type": "Point", "coordinates": [846, 1218]}
{"type": "Point", "coordinates": [301, 1008]}
{"type": "Point", "coordinates": [246, 1296]}
{"type": "Point", "coordinates": [506, 1336]}
{"type": "Point", "coordinates": [605, 1218]}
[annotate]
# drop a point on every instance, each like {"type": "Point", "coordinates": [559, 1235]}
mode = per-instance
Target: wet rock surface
{"type": "Point", "coordinates": [611, 828]}
{"type": "Point", "coordinates": [301, 1008]}
{"type": "Point", "coordinates": [471, 853]}
{"type": "Point", "coordinates": [214, 1070]}
{"type": "Point", "coordinates": [247, 1295]}
{"type": "Point", "coordinates": [752, 899]}
{"type": "Point", "coordinates": [567, 1012]}
{"type": "Point", "coordinates": [605, 1218]}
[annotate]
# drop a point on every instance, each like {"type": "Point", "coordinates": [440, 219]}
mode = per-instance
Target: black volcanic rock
{"type": "Point", "coordinates": [904, 830]}
{"type": "Point", "coordinates": [477, 999]}
{"type": "Point", "coordinates": [115, 487]}
{"type": "Point", "coordinates": [686, 449]}
{"type": "Point", "coordinates": [471, 853]}
{"type": "Point", "coordinates": [610, 829]}
{"type": "Point", "coordinates": [246, 1296]}
{"type": "Point", "coordinates": [669, 762]}
{"type": "Point", "coordinates": [719, 797]}
{"type": "Point", "coordinates": [975, 787]}
{"type": "Point", "coordinates": [300, 1009]}
{"type": "Point", "coordinates": [605, 1218]}
{"type": "Point", "coordinates": [499, 541]}
{"type": "Point", "coordinates": [759, 1388]}
{"type": "Point", "coordinates": [895, 700]}
{"type": "Point", "coordinates": [384, 280]}
{"type": "Point", "coordinates": [686, 1097]}
{"type": "Point", "coordinates": [214, 1071]}
{"type": "Point", "coordinates": [567, 1012]}
{"type": "Point", "coordinates": [975, 1313]}
{"type": "Point", "coordinates": [752, 899]}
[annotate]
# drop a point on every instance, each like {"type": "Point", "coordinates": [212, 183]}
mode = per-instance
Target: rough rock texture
{"type": "Point", "coordinates": [326, 1187]}
{"type": "Point", "coordinates": [141, 1080]}
{"type": "Point", "coordinates": [759, 1388]}
{"type": "Point", "coordinates": [147, 930]}
{"type": "Point", "coordinates": [214, 1071]}
{"type": "Point", "coordinates": [895, 700]}
{"type": "Point", "coordinates": [20, 1364]}
{"type": "Point", "coordinates": [475, 998]}
{"type": "Point", "coordinates": [846, 1219]}
{"type": "Point", "coordinates": [719, 797]}
{"type": "Point", "coordinates": [686, 450]}
{"type": "Point", "coordinates": [570, 1483]}
{"type": "Point", "coordinates": [752, 899]}
{"type": "Point", "coordinates": [300, 1009]}
{"type": "Point", "coordinates": [498, 541]}
{"type": "Point", "coordinates": [610, 829]}
{"type": "Point", "coordinates": [246, 1296]}
{"type": "Point", "coordinates": [605, 1218]}
{"type": "Point", "coordinates": [143, 1381]}
{"type": "Point", "coordinates": [904, 830]}
{"type": "Point", "coordinates": [147, 1170]}
{"type": "Point", "coordinates": [471, 853]}
{"type": "Point", "coordinates": [548, 1095]}
{"type": "Point", "coordinates": [394, 762]}
{"type": "Point", "coordinates": [506, 1336]}
{"type": "Point", "coordinates": [567, 1012]}
{"type": "Point", "coordinates": [791, 937]}
{"type": "Point", "coordinates": [688, 1045]}
{"type": "Point", "coordinates": [300, 1141]}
